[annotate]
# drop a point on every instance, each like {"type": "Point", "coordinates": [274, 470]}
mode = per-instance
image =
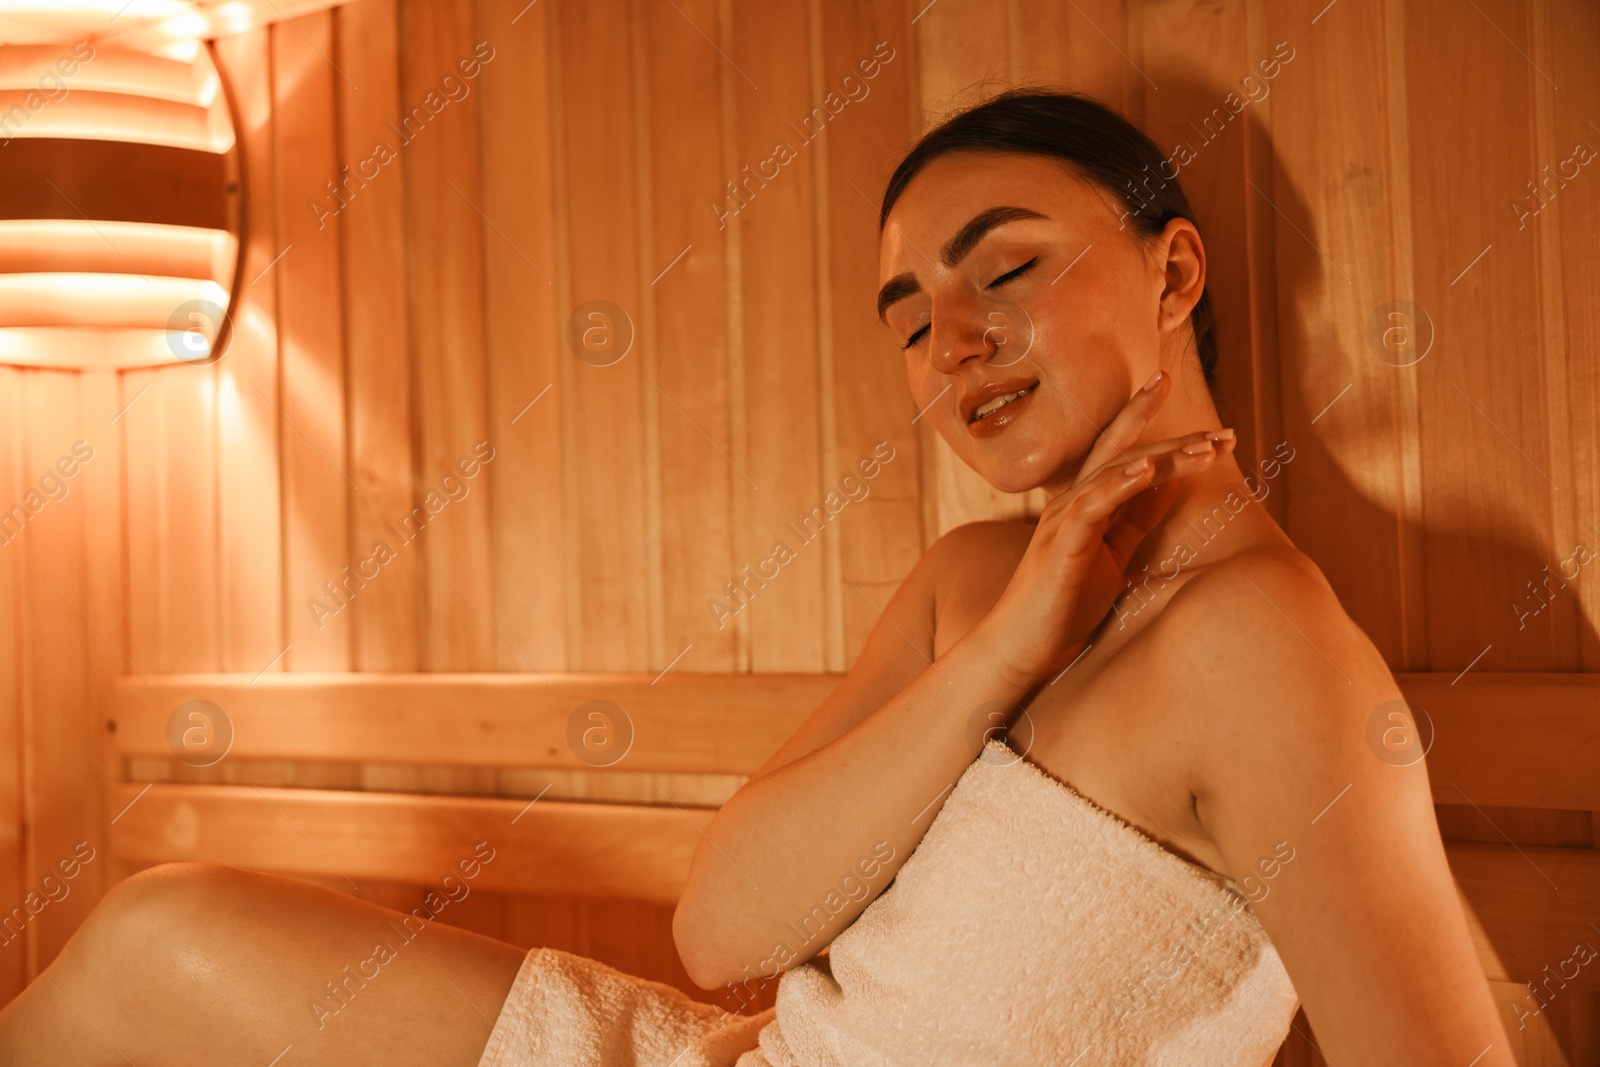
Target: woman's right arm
{"type": "Point", "coordinates": [819, 823]}
{"type": "Point", "coordinates": [830, 819]}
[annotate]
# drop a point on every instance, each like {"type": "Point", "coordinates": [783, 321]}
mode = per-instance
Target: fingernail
{"type": "Point", "coordinates": [1220, 435]}
{"type": "Point", "coordinates": [1136, 467]}
{"type": "Point", "coordinates": [1155, 380]}
{"type": "Point", "coordinates": [1197, 448]}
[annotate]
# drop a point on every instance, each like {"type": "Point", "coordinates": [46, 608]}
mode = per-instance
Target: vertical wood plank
{"type": "Point", "coordinates": [602, 412]}
{"type": "Point", "coordinates": [250, 519]}
{"type": "Point", "coordinates": [438, 143]}
{"type": "Point", "coordinates": [827, 410]}
{"type": "Point", "coordinates": [650, 407]}
{"type": "Point", "coordinates": [1263, 221]}
{"type": "Point", "coordinates": [1539, 1036]}
{"type": "Point", "coordinates": [731, 85]}
{"type": "Point", "coordinates": [1568, 38]}
{"type": "Point", "coordinates": [880, 537]}
{"type": "Point", "coordinates": [316, 482]}
{"type": "Point", "coordinates": [524, 336]}
{"type": "Point", "coordinates": [105, 583]}
{"type": "Point", "coordinates": [65, 804]}
{"type": "Point", "coordinates": [1074, 47]}
{"type": "Point", "coordinates": [691, 390]}
{"type": "Point", "coordinates": [782, 398]}
{"type": "Point", "coordinates": [966, 56]}
{"type": "Point", "coordinates": [13, 751]}
{"type": "Point", "coordinates": [1485, 458]}
{"type": "Point", "coordinates": [1345, 485]}
{"type": "Point", "coordinates": [377, 332]}
{"type": "Point", "coordinates": [168, 422]}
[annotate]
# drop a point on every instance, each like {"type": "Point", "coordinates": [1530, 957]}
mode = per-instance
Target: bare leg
{"type": "Point", "coordinates": [199, 964]}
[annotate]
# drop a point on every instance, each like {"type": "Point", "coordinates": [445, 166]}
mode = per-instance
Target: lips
{"type": "Point", "coordinates": [971, 402]}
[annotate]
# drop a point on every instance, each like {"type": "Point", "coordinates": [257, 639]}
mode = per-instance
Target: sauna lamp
{"type": "Point", "coordinates": [122, 206]}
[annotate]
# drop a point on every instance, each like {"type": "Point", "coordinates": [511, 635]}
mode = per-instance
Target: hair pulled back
{"type": "Point", "coordinates": [1100, 144]}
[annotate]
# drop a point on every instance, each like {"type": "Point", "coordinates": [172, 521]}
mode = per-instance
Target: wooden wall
{"type": "Point", "coordinates": [378, 344]}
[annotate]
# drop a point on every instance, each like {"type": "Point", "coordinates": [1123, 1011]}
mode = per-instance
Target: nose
{"type": "Point", "coordinates": [963, 327]}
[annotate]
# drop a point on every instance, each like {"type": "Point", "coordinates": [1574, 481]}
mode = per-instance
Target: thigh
{"type": "Point", "coordinates": [194, 964]}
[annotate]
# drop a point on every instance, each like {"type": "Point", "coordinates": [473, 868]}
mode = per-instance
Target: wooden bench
{"type": "Point", "coordinates": [1524, 741]}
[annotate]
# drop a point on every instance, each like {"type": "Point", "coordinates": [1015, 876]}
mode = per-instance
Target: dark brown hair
{"type": "Point", "coordinates": [1100, 144]}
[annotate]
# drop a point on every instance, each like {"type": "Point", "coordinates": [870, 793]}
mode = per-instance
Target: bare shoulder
{"type": "Point", "coordinates": [1280, 564]}
{"type": "Point", "coordinates": [1269, 665]}
{"type": "Point", "coordinates": [1271, 600]}
{"type": "Point", "coordinates": [982, 535]}
{"type": "Point", "coordinates": [964, 559]}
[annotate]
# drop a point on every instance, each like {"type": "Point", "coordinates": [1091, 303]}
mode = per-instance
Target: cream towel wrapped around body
{"type": "Point", "coordinates": [1029, 926]}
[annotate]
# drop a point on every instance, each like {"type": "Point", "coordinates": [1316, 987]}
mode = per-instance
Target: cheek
{"type": "Point", "coordinates": [1089, 345]}
{"type": "Point", "coordinates": [926, 385]}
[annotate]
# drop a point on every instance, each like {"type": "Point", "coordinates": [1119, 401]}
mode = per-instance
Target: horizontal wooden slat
{"type": "Point", "coordinates": [1512, 740]}
{"type": "Point", "coordinates": [552, 846]}
{"type": "Point", "coordinates": [1509, 740]}
{"type": "Point", "coordinates": [1529, 908]}
{"type": "Point", "coordinates": [695, 723]}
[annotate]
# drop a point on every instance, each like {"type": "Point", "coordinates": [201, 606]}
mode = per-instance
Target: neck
{"type": "Point", "coordinates": [1214, 516]}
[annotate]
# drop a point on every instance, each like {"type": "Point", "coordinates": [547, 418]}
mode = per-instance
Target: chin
{"type": "Point", "coordinates": [1018, 474]}
{"type": "Point", "coordinates": [1027, 455]}
{"type": "Point", "coordinates": [1011, 481]}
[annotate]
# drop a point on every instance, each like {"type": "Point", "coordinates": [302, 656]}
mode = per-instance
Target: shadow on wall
{"type": "Point", "coordinates": [1383, 380]}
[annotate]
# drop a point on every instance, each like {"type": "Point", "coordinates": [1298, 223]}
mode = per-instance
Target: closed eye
{"type": "Point", "coordinates": [1013, 275]}
{"type": "Point", "coordinates": [1009, 276]}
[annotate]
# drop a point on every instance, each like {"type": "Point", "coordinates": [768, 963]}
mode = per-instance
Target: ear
{"type": "Point", "coordinates": [1182, 258]}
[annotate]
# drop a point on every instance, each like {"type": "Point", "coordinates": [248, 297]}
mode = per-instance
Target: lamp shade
{"type": "Point", "coordinates": [121, 210]}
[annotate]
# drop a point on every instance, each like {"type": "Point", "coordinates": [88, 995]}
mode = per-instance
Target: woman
{"type": "Point", "coordinates": [1182, 833]}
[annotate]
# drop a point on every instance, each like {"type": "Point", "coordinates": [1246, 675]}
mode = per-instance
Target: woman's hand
{"type": "Point", "coordinates": [1075, 565]}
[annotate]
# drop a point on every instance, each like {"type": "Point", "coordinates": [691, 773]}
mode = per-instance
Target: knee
{"type": "Point", "coordinates": [160, 912]}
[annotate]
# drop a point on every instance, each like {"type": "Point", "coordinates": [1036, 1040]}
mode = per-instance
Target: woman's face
{"type": "Point", "coordinates": [1006, 272]}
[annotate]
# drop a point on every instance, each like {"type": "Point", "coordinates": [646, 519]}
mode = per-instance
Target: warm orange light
{"type": "Point", "coordinates": [85, 87]}
{"type": "Point", "coordinates": [86, 347]}
{"type": "Point", "coordinates": [82, 299]}
{"type": "Point", "coordinates": [228, 413]}
{"type": "Point", "coordinates": [119, 117]}
{"type": "Point", "coordinates": [32, 246]}
{"type": "Point", "coordinates": [109, 71]}
{"type": "Point", "coordinates": [141, 25]}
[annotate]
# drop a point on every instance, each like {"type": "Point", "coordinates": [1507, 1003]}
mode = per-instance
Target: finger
{"type": "Point", "coordinates": [1137, 518]}
{"type": "Point", "coordinates": [1123, 432]}
{"type": "Point", "coordinates": [1166, 460]}
{"type": "Point", "coordinates": [1197, 443]}
{"type": "Point", "coordinates": [1096, 504]}
{"type": "Point", "coordinates": [1080, 521]}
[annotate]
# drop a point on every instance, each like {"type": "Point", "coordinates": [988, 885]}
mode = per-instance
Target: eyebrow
{"type": "Point", "coordinates": [955, 250]}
